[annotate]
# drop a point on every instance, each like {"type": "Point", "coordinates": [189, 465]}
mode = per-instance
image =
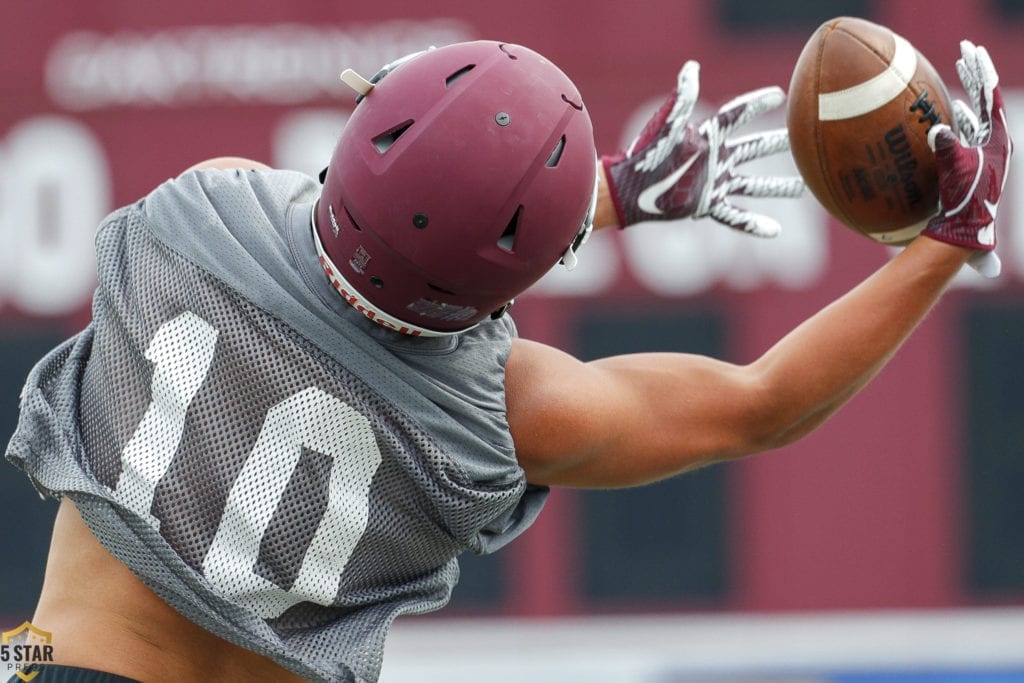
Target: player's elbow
{"type": "Point", "coordinates": [772, 419]}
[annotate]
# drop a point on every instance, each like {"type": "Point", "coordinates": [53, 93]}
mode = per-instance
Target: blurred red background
{"type": "Point", "coordinates": [907, 498]}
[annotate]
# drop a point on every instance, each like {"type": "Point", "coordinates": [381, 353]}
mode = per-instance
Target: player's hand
{"type": "Point", "coordinates": [675, 169]}
{"type": "Point", "coordinates": [973, 167]}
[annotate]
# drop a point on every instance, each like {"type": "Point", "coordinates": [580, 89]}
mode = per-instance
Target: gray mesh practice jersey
{"type": "Point", "coordinates": [280, 469]}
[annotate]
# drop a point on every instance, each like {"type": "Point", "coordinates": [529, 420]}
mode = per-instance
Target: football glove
{"type": "Point", "coordinates": [675, 169]}
{"type": "Point", "coordinates": [972, 168]}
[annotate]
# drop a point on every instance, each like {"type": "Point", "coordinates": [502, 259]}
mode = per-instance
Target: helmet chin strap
{"type": "Point", "coordinates": [356, 82]}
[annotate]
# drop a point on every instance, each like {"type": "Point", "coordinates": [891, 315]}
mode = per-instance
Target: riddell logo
{"type": "Point", "coordinates": [24, 646]}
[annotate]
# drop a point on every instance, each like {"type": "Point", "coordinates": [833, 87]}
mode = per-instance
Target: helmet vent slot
{"type": "Point", "coordinates": [352, 220]}
{"type": "Point", "coordinates": [385, 140]}
{"type": "Point", "coordinates": [450, 81]}
{"type": "Point", "coordinates": [507, 241]}
{"type": "Point", "coordinates": [556, 153]}
{"type": "Point", "coordinates": [442, 290]}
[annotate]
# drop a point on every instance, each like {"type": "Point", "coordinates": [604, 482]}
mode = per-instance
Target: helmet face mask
{"type": "Point", "coordinates": [463, 175]}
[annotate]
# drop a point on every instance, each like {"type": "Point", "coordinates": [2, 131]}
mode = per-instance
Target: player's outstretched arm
{"type": "Point", "coordinates": [632, 419]}
{"type": "Point", "coordinates": [637, 418]}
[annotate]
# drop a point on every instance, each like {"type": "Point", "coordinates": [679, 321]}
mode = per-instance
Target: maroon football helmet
{"type": "Point", "coordinates": [463, 175]}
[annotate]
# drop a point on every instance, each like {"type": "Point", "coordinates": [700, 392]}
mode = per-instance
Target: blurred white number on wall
{"type": "Point", "coordinates": [54, 190]}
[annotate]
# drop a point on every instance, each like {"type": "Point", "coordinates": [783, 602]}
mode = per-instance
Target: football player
{"type": "Point", "coordinates": [296, 405]}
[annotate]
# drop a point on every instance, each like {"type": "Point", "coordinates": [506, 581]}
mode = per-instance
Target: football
{"type": "Point", "coordinates": [861, 102]}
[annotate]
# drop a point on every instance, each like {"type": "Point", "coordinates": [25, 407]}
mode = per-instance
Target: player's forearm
{"type": "Point", "coordinates": [824, 362]}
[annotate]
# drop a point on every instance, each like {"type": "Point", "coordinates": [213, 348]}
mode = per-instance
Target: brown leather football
{"type": "Point", "coordinates": [861, 102]}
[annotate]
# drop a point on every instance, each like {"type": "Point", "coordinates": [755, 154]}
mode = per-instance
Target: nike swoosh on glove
{"type": "Point", "coordinates": [675, 170]}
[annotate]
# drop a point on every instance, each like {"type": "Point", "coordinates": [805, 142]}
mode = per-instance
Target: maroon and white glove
{"type": "Point", "coordinates": [973, 168]}
{"type": "Point", "coordinates": [675, 169]}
